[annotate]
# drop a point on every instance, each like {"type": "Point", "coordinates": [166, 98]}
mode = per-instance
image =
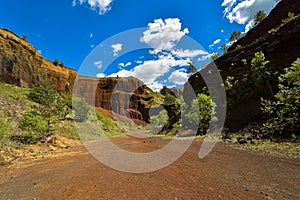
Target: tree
{"type": "Point", "coordinates": [202, 112]}
{"type": "Point", "coordinates": [50, 105]}
{"type": "Point", "coordinates": [56, 62]}
{"type": "Point", "coordinates": [259, 16]}
{"type": "Point", "coordinates": [284, 111]}
{"type": "Point", "coordinates": [224, 47]}
{"type": "Point", "coordinates": [215, 56]}
{"type": "Point", "coordinates": [261, 73]}
{"type": "Point", "coordinates": [81, 109]}
{"type": "Point", "coordinates": [235, 35]}
{"type": "Point", "coordinates": [192, 69]}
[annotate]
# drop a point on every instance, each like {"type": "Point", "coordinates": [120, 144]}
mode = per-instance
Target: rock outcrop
{"type": "Point", "coordinates": [281, 47]}
{"type": "Point", "coordinates": [22, 65]}
{"type": "Point", "coordinates": [128, 97]}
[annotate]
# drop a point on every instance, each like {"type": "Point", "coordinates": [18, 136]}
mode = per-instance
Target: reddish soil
{"type": "Point", "coordinates": [227, 173]}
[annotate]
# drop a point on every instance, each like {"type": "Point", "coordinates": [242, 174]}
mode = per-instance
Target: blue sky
{"type": "Point", "coordinates": [168, 33]}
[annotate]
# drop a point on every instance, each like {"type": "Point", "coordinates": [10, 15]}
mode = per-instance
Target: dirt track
{"type": "Point", "coordinates": [226, 173]}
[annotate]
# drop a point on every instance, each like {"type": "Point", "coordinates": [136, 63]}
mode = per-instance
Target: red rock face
{"type": "Point", "coordinates": [22, 65]}
{"type": "Point", "coordinates": [124, 96]}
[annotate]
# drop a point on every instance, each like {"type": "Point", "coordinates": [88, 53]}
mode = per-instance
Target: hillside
{"type": "Point", "coordinates": [280, 47]}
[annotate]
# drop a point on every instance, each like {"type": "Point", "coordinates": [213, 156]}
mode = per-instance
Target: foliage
{"type": "Point", "coordinates": [4, 130]}
{"type": "Point", "coordinates": [224, 47]}
{"type": "Point", "coordinates": [283, 112]}
{"type": "Point", "coordinates": [290, 17]}
{"type": "Point", "coordinates": [51, 106]}
{"type": "Point", "coordinates": [259, 16]}
{"type": "Point", "coordinates": [273, 30]}
{"type": "Point", "coordinates": [158, 121]}
{"type": "Point", "coordinates": [235, 35]}
{"type": "Point", "coordinates": [81, 109]}
{"type": "Point", "coordinates": [33, 121]}
{"type": "Point", "coordinates": [62, 64]}
{"type": "Point", "coordinates": [215, 56]}
{"type": "Point", "coordinates": [244, 61]}
{"type": "Point", "coordinates": [261, 73]}
{"type": "Point", "coordinates": [202, 112]}
{"type": "Point", "coordinates": [192, 69]}
{"type": "Point", "coordinates": [238, 47]}
{"type": "Point", "coordinates": [56, 62]}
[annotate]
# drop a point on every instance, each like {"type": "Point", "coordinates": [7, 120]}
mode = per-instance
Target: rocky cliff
{"type": "Point", "coordinates": [128, 97]}
{"type": "Point", "coordinates": [22, 65]}
{"type": "Point", "coordinates": [281, 47]}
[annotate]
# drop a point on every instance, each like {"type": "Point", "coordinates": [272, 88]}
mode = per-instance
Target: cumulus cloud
{"type": "Point", "coordinates": [101, 6]}
{"type": "Point", "coordinates": [150, 70]}
{"type": "Point", "coordinates": [116, 48]}
{"type": "Point", "coordinates": [100, 75]}
{"type": "Point", "coordinates": [188, 53]}
{"type": "Point", "coordinates": [243, 11]}
{"type": "Point", "coordinates": [178, 77]}
{"type": "Point", "coordinates": [217, 41]}
{"type": "Point", "coordinates": [98, 64]}
{"type": "Point", "coordinates": [205, 57]}
{"type": "Point", "coordinates": [156, 86]}
{"type": "Point", "coordinates": [164, 34]}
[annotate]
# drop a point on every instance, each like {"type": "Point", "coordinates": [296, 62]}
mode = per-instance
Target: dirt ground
{"type": "Point", "coordinates": [227, 173]}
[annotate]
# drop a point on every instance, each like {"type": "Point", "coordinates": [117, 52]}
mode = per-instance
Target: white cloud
{"type": "Point", "coordinates": [249, 26]}
{"type": "Point", "coordinates": [164, 34]}
{"type": "Point", "coordinates": [91, 35]}
{"type": "Point", "coordinates": [101, 6]}
{"type": "Point", "coordinates": [243, 11]}
{"type": "Point", "coordinates": [98, 64]}
{"type": "Point", "coordinates": [116, 48]}
{"type": "Point", "coordinates": [150, 70]}
{"type": "Point", "coordinates": [188, 53]}
{"type": "Point", "coordinates": [178, 77]}
{"type": "Point", "coordinates": [100, 75]}
{"type": "Point", "coordinates": [222, 31]}
{"type": "Point", "coordinates": [217, 41]}
{"type": "Point", "coordinates": [205, 57]}
{"type": "Point", "coordinates": [156, 86]}
{"type": "Point", "coordinates": [125, 65]}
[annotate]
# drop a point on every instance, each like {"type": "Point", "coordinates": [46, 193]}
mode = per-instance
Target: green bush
{"type": "Point", "coordinates": [284, 112]}
{"type": "Point", "coordinates": [158, 121]}
{"type": "Point", "coordinates": [4, 130]}
{"type": "Point", "coordinates": [81, 109]}
{"type": "Point", "coordinates": [290, 17]}
{"type": "Point", "coordinates": [202, 112]}
{"type": "Point", "coordinates": [261, 72]}
{"type": "Point", "coordinates": [32, 121]}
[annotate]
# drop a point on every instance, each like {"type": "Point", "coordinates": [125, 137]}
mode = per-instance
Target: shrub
{"type": "Point", "coordinates": [56, 62]}
{"type": "Point", "coordinates": [4, 130]}
{"type": "Point", "coordinates": [238, 47]}
{"type": "Point", "coordinates": [81, 109]}
{"type": "Point", "coordinates": [32, 121]}
{"type": "Point", "coordinates": [290, 17]}
{"type": "Point", "coordinates": [261, 72]}
{"type": "Point", "coordinates": [283, 113]}
{"type": "Point", "coordinates": [158, 121]}
{"type": "Point", "coordinates": [51, 106]}
{"type": "Point", "coordinates": [202, 112]}
{"type": "Point", "coordinates": [259, 17]}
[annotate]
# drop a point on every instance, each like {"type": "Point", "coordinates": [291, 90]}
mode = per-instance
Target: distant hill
{"type": "Point", "coordinates": [279, 42]}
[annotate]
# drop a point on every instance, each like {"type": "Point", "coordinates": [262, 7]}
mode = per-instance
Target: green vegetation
{"type": "Point", "coordinates": [259, 17]}
{"type": "Point", "coordinates": [81, 109]}
{"type": "Point", "coordinates": [238, 47]}
{"type": "Point", "coordinates": [215, 56]}
{"type": "Point", "coordinates": [224, 47]}
{"type": "Point", "coordinates": [56, 62]}
{"type": "Point", "coordinates": [289, 18]}
{"type": "Point", "coordinates": [261, 72]}
{"type": "Point", "coordinates": [235, 35]}
{"type": "Point", "coordinates": [51, 107]}
{"type": "Point", "coordinates": [158, 121]}
{"type": "Point", "coordinates": [283, 112]}
{"type": "Point", "coordinates": [192, 69]}
{"type": "Point", "coordinates": [4, 131]}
